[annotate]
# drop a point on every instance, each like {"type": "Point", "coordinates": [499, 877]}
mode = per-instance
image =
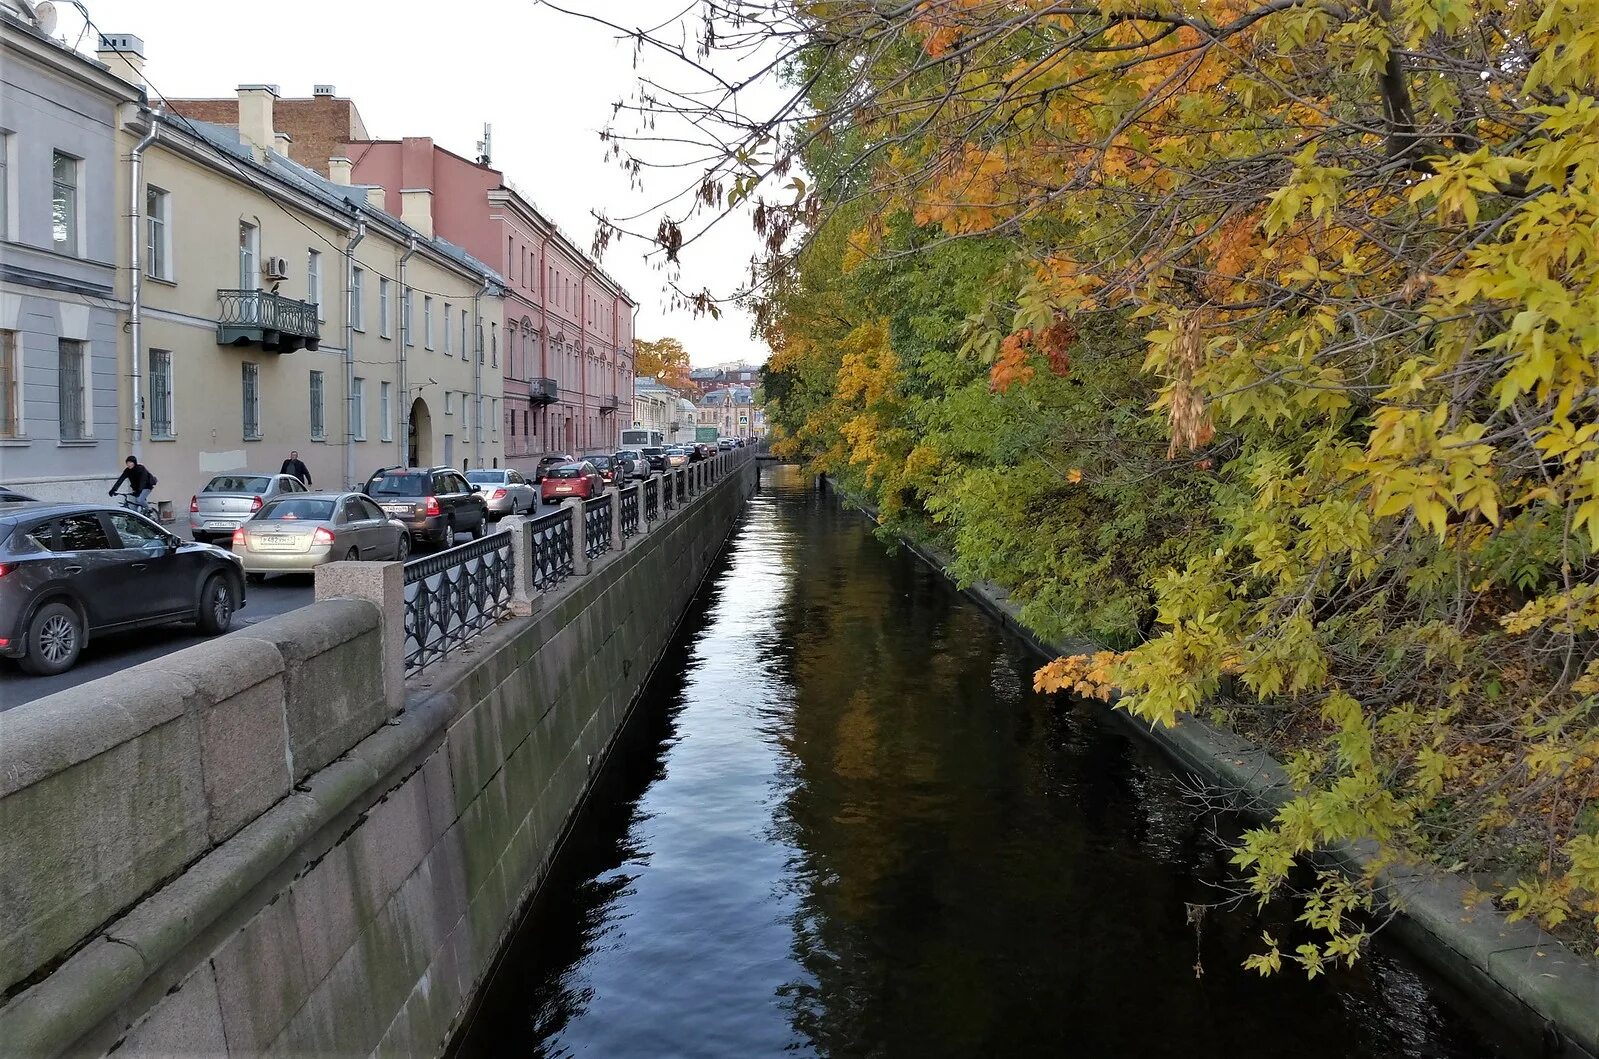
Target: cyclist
{"type": "Point", "coordinates": [140, 482]}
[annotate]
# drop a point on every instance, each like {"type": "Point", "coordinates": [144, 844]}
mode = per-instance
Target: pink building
{"type": "Point", "coordinates": [566, 343]}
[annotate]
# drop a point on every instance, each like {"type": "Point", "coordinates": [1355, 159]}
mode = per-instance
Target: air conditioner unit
{"type": "Point", "coordinates": [275, 267]}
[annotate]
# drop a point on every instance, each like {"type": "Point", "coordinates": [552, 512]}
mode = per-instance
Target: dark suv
{"type": "Point", "coordinates": [72, 571]}
{"type": "Point", "coordinates": [553, 459]}
{"type": "Point", "coordinates": [434, 503]}
{"type": "Point", "coordinates": [655, 455]}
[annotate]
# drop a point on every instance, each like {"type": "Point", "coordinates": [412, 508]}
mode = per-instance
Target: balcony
{"type": "Point", "coordinates": [543, 391]}
{"type": "Point", "coordinates": [609, 403]}
{"type": "Point", "coordinates": [275, 323]}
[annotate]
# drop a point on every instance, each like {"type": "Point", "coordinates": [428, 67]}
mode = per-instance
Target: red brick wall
{"type": "Point", "coordinates": [319, 126]}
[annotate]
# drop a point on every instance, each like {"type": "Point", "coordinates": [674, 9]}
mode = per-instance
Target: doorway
{"type": "Point", "coordinates": [419, 435]}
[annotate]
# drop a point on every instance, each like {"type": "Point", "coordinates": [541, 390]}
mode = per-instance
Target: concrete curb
{"type": "Point", "coordinates": [1521, 972]}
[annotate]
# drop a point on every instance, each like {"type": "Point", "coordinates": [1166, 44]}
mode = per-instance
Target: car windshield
{"type": "Point", "coordinates": [401, 485]}
{"type": "Point", "coordinates": [627, 454]}
{"type": "Point", "coordinates": [568, 471]}
{"type": "Point", "coordinates": [547, 460]}
{"type": "Point", "coordinates": [238, 483]}
{"type": "Point", "coordinates": [485, 477]}
{"type": "Point", "coordinates": [295, 508]}
{"type": "Point", "coordinates": [601, 462]}
{"type": "Point", "coordinates": [654, 450]}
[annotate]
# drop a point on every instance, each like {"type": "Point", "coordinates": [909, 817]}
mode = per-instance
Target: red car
{"type": "Point", "coordinates": [571, 479]}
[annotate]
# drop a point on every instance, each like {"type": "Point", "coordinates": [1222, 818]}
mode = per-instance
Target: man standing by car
{"type": "Point", "coordinates": [140, 481]}
{"type": "Point", "coordinates": [293, 466]}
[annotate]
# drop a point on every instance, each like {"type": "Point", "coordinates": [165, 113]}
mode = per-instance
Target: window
{"type": "Point", "coordinates": [463, 335]}
{"type": "Point", "coordinates": [160, 393]}
{"type": "Point", "coordinates": [81, 533]}
{"type": "Point", "coordinates": [64, 202]}
{"type": "Point", "coordinates": [383, 307]}
{"type": "Point", "coordinates": [70, 384]}
{"type": "Point", "coordinates": [5, 185]}
{"type": "Point", "coordinates": [252, 402]}
{"type": "Point", "coordinates": [357, 293]}
{"type": "Point", "coordinates": [427, 322]}
{"type": "Point", "coordinates": [358, 409]}
{"type": "Point", "coordinates": [447, 342]}
{"type": "Point", "coordinates": [10, 387]}
{"type": "Point", "coordinates": [385, 414]}
{"type": "Point", "coordinates": [405, 324]}
{"type": "Point", "coordinates": [136, 532]}
{"type": "Point", "coordinates": [319, 429]}
{"type": "Point", "coordinates": [158, 245]}
{"type": "Point", "coordinates": [494, 343]}
{"type": "Point", "coordinates": [494, 414]}
{"type": "Point", "coordinates": [249, 242]}
{"type": "Point", "coordinates": [449, 402]}
{"type": "Point", "coordinates": [313, 281]}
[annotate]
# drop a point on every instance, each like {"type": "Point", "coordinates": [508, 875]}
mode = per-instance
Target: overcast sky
{"type": "Point", "coordinates": [545, 82]}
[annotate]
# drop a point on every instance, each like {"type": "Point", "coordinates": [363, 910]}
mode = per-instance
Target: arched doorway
{"type": "Point", "coordinates": [419, 435]}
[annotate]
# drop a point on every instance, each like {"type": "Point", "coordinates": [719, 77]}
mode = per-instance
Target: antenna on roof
{"type": "Point", "coordinates": [485, 145]}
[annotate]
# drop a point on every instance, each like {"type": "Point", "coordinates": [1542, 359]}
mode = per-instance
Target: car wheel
{"type": "Point", "coordinates": [216, 606]}
{"type": "Point", "coordinates": [449, 534]}
{"type": "Point", "coordinates": [352, 556]}
{"type": "Point", "coordinates": [53, 641]}
{"type": "Point", "coordinates": [402, 548]}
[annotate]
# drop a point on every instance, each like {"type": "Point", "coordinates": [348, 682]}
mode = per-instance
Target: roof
{"type": "Point", "coordinates": [226, 139]}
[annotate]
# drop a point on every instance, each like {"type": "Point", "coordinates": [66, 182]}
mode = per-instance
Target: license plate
{"type": "Point", "coordinates": [563, 489]}
{"type": "Point", "coordinates": [219, 525]}
{"type": "Point", "coordinates": [397, 509]}
{"type": "Point", "coordinates": [277, 542]}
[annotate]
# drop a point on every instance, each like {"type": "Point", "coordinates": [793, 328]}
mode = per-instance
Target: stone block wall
{"type": "Point", "coordinates": [363, 910]}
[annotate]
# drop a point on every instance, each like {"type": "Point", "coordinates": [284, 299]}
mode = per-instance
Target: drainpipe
{"type": "Point", "coordinates": [399, 333]}
{"type": "Point", "coordinates": [136, 272]}
{"type": "Point", "coordinates": [349, 348]}
{"type": "Point", "coordinates": [477, 375]}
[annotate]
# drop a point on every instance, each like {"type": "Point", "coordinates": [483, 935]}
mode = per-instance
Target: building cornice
{"type": "Point", "coordinates": [18, 39]}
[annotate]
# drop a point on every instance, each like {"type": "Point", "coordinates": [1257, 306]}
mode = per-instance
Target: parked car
{"type": "Point", "coordinates": [228, 499]}
{"type": "Point", "coordinates": [578, 478]}
{"type": "Point", "coordinates": [554, 459]}
{"type": "Point", "coordinates": [634, 463]}
{"type": "Point", "coordinates": [725, 444]}
{"type": "Point", "coordinates": [11, 496]}
{"type": "Point", "coordinates": [610, 468]}
{"type": "Point", "coordinates": [655, 456]}
{"type": "Point", "coordinates": [676, 456]}
{"type": "Point", "coordinates": [433, 503]}
{"type": "Point", "coordinates": [504, 490]}
{"type": "Point", "coordinates": [296, 534]}
{"type": "Point", "coordinates": [70, 572]}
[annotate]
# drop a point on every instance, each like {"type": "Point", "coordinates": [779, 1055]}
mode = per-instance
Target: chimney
{"type": "Point", "coordinates": [281, 141]}
{"type": "Point", "coordinates": [416, 209]}
{"type": "Point", "coordinates": [322, 92]}
{"type": "Point", "coordinates": [340, 169]}
{"type": "Point", "coordinates": [375, 198]}
{"type": "Point", "coordinates": [123, 54]}
{"type": "Point", "coordinates": [255, 115]}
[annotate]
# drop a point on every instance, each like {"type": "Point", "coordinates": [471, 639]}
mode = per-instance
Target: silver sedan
{"type": "Point", "coordinates": [504, 490]}
{"type": "Point", "coordinates": [296, 534]}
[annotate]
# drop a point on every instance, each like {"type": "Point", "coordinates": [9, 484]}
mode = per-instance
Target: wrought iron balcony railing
{"type": "Point", "coordinates": [271, 321]}
{"type": "Point", "coordinates": [610, 403]}
{"type": "Point", "coordinates": [543, 391]}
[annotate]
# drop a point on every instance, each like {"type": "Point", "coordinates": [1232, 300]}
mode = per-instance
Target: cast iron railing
{"type": "Point", "coordinates": [259, 309]}
{"type": "Point", "coordinates": [652, 499]}
{"type": "Point", "coordinates": [453, 595]}
{"type": "Point", "coordinates": [597, 525]}
{"type": "Point", "coordinates": [543, 391]}
{"type": "Point", "coordinates": [681, 485]}
{"type": "Point", "coordinates": [552, 548]}
{"type": "Point", "coordinates": [629, 512]}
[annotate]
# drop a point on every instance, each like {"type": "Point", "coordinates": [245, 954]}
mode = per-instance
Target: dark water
{"type": "Point", "coordinates": [841, 823]}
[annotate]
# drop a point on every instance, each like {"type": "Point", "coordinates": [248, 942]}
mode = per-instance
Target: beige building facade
{"type": "Point", "coordinates": [279, 311]}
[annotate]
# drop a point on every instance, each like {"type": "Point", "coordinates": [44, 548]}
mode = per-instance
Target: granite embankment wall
{"type": "Point", "coordinates": [1543, 993]}
{"type": "Point", "coordinates": [270, 843]}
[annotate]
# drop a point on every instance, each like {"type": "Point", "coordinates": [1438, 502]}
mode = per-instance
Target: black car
{"type": "Point", "coordinates": [655, 456]}
{"type": "Point", "coordinates": [69, 572]}
{"type": "Point", "coordinates": [434, 503]}
{"type": "Point", "coordinates": [553, 459]}
{"type": "Point", "coordinates": [611, 469]}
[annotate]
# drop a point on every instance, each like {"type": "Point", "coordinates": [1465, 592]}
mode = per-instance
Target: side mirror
{"type": "Point", "coordinates": [173, 543]}
{"type": "Point", "coordinates": [477, 489]}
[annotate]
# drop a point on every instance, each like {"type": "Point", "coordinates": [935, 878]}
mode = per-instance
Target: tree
{"type": "Point", "coordinates": [664, 359]}
{"type": "Point", "coordinates": [1334, 262]}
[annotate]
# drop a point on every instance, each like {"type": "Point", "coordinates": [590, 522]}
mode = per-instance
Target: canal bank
{"type": "Point", "coordinates": [1528, 979]}
{"type": "Point", "coordinates": [841, 823]}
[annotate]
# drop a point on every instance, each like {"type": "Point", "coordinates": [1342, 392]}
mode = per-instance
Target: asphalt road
{"type": "Point", "coordinates": [108, 655]}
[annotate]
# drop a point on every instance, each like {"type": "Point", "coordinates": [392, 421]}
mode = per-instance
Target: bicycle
{"type": "Point", "coordinates": [131, 502]}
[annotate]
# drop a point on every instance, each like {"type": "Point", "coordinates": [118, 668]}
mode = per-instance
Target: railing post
{"type": "Point", "coordinates": [384, 585]}
{"type": "Point", "coordinates": [617, 540]}
{"type": "Point", "coordinates": [522, 590]}
{"type": "Point", "coordinates": [581, 563]}
{"type": "Point", "coordinates": [643, 515]}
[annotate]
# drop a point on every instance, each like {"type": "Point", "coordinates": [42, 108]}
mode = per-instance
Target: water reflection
{"type": "Point", "coordinates": [842, 824]}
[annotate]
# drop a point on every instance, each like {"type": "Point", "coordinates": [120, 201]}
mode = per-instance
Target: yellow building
{"type": "Point", "coordinates": [273, 310]}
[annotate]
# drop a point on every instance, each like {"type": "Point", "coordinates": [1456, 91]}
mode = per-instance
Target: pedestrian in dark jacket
{"type": "Point", "coordinates": [293, 466]}
{"type": "Point", "coordinates": [140, 481]}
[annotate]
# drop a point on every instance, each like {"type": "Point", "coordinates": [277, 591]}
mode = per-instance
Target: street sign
{"type": "Point", "coordinates": [743, 420]}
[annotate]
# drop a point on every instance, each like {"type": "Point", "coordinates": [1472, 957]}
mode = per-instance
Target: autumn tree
{"type": "Point", "coordinates": [664, 359]}
{"type": "Point", "coordinates": [1340, 257]}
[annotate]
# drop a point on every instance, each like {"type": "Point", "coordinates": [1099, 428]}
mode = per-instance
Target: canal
{"type": "Point", "coordinates": [841, 823]}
